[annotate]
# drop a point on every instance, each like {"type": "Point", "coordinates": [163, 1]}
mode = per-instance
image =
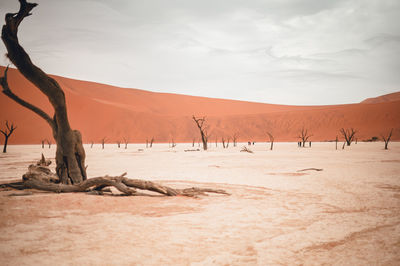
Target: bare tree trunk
{"type": "Point", "coordinates": [203, 130]}
{"type": "Point", "coordinates": [103, 141]}
{"type": "Point", "coordinates": [70, 155]}
{"type": "Point", "coordinates": [271, 139]}
{"type": "Point", "coordinates": [336, 141]}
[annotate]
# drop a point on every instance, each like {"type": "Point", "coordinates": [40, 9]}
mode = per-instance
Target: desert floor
{"type": "Point", "coordinates": [347, 214]}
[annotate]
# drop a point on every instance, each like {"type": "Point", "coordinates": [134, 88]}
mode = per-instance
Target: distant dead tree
{"type": "Point", "coordinates": [194, 140]}
{"type": "Point", "coordinates": [126, 140]}
{"type": "Point", "coordinates": [151, 142]}
{"type": "Point", "coordinates": [216, 141]}
{"type": "Point", "coordinates": [7, 133]}
{"type": "Point", "coordinates": [43, 140]}
{"type": "Point", "coordinates": [225, 142]}
{"type": "Point", "coordinates": [304, 136]}
{"type": "Point", "coordinates": [91, 144]}
{"type": "Point", "coordinates": [118, 143]}
{"type": "Point", "coordinates": [348, 135]}
{"type": "Point", "coordinates": [103, 141]}
{"type": "Point", "coordinates": [271, 139]}
{"type": "Point", "coordinates": [172, 144]}
{"type": "Point", "coordinates": [203, 130]}
{"type": "Point", "coordinates": [337, 139]}
{"type": "Point", "coordinates": [48, 143]}
{"type": "Point", "coordinates": [386, 138]}
{"type": "Point", "coordinates": [234, 139]}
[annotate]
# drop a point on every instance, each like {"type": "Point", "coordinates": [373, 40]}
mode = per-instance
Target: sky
{"type": "Point", "coordinates": [295, 52]}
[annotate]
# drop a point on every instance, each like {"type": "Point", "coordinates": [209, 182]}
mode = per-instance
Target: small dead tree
{"type": "Point", "coordinates": [304, 136]}
{"type": "Point", "coordinates": [234, 139]}
{"type": "Point", "coordinates": [118, 143]}
{"type": "Point", "coordinates": [7, 133]}
{"type": "Point", "coordinates": [151, 142]}
{"type": "Point", "coordinates": [348, 135]}
{"type": "Point", "coordinates": [43, 140]}
{"type": "Point", "coordinates": [91, 144]}
{"type": "Point", "coordinates": [203, 130]}
{"type": "Point", "coordinates": [386, 138]}
{"type": "Point", "coordinates": [126, 141]}
{"type": "Point", "coordinates": [271, 139]}
{"type": "Point", "coordinates": [48, 143]}
{"type": "Point", "coordinates": [173, 144]}
{"type": "Point", "coordinates": [337, 139]}
{"type": "Point", "coordinates": [103, 141]}
{"type": "Point", "coordinates": [224, 145]}
{"type": "Point", "coordinates": [194, 140]}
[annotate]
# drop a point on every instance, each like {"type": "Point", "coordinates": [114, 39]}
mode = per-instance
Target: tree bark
{"type": "Point", "coordinates": [70, 154]}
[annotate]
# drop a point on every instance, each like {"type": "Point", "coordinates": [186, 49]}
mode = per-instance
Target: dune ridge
{"type": "Point", "coordinates": [100, 110]}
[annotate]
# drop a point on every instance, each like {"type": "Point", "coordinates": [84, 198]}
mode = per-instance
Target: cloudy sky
{"type": "Point", "coordinates": [302, 52]}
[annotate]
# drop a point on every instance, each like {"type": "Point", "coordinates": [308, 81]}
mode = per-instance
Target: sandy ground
{"type": "Point", "coordinates": [347, 214]}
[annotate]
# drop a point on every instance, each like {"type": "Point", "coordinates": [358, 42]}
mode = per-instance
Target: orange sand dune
{"type": "Point", "coordinates": [99, 110]}
{"type": "Point", "coordinates": [391, 97]}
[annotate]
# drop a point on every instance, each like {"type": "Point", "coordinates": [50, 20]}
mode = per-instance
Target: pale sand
{"type": "Point", "coordinates": [347, 214]}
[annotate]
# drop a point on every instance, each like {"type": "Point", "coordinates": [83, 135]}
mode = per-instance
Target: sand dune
{"type": "Point", "coordinates": [100, 110]}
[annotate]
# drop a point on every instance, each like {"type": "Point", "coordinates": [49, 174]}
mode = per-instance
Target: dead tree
{"type": "Point", "coordinates": [216, 141]}
{"type": "Point", "coordinates": [70, 173]}
{"type": "Point", "coordinates": [224, 145]}
{"type": "Point", "coordinates": [234, 139]}
{"type": "Point", "coordinates": [151, 142]}
{"type": "Point", "coordinates": [91, 144]}
{"type": "Point", "coordinates": [203, 130]}
{"type": "Point", "coordinates": [7, 133]}
{"type": "Point", "coordinates": [119, 144]}
{"type": "Point", "coordinates": [271, 139]}
{"type": "Point", "coordinates": [43, 140]}
{"type": "Point", "coordinates": [126, 141]}
{"type": "Point", "coordinates": [348, 135]}
{"type": "Point", "coordinates": [337, 139]}
{"type": "Point", "coordinates": [304, 136]}
{"type": "Point", "coordinates": [48, 143]}
{"type": "Point", "coordinates": [194, 140]}
{"type": "Point", "coordinates": [386, 138]}
{"type": "Point", "coordinates": [70, 154]}
{"type": "Point", "coordinates": [173, 144]}
{"type": "Point", "coordinates": [103, 141]}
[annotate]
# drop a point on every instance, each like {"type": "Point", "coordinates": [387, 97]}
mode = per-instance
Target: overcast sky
{"type": "Point", "coordinates": [301, 52]}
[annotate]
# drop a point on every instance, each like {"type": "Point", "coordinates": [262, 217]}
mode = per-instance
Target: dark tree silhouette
{"type": "Point", "coordinates": [271, 139]}
{"type": "Point", "coordinates": [91, 144]}
{"type": "Point", "coordinates": [225, 142]}
{"type": "Point", "coordinates": [304, 136]}
{"type": "Point", "coordinates": [119, 144]}
{"type": "Point", "coordinates": [386, 138]}
{"type": "Point", "coordinates": [234, 139]}
{"type": "Point", "coordinates": [336, 140]}
{"type": "Point", "coordinates": [70, 154]}
{"type": "Point", "coordinates": [203, 130]}
{"type": "Point", "coordinates": [7, 133]}
{"type": "Point", "coordinates": [103, 141]}
{"type": "Point", "coordinates": [48, 143]}
{"type": "Point", "coordinates": [126, 141]}
{"type": "Point", "coordinates": [348, 135]}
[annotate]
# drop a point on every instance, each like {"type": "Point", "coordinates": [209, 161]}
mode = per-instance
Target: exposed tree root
{"type": "Point", "coordinates": [40, 177]}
